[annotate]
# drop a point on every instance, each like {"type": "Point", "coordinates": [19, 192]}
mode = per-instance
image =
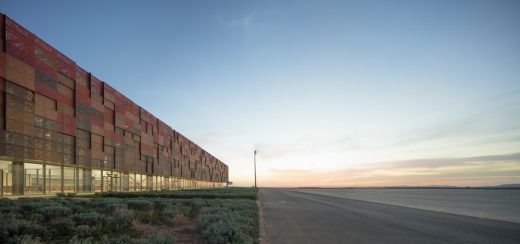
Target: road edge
{"type": "Point", "coordinates": [261, 225]}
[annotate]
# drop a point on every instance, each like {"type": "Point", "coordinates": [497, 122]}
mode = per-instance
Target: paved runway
{"type": "Point", "coordinates": [296, 217]}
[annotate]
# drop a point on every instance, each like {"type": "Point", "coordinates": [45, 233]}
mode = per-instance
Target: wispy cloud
{"type": "Point", "coordinates": [244, 21]}
{"type": "Point", "coordinates": [480, 170]}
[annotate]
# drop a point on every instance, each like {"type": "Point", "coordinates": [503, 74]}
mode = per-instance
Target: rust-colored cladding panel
{"type": "Point", "coordinates": [56, 111]}
{"type": "Point", "coordinates": [82, 86]}
{"type": "Point", "coordinates": [3, 64]}
{"type": "Point", "coordinates": [2, 33]}
{"type": "Point", "coordinates": [45, 58]}
{"type": "Point", "coordinates": [45, 85]}
{"type": "Point", "coordinates": [66, 66]}
{"type": "Point", "coordinates": [19, 72]}
{"type": "Point", "coordinates": [19, 42]}
{"type": "Point", "coordinates": [67, 124]}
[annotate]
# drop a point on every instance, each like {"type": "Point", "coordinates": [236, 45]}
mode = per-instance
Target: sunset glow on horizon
{"type": "Point", "coordinates": [330, 93]}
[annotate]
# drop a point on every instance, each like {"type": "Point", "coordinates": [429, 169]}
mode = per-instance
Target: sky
{"type": "Point", "coordinates": [330, 93]}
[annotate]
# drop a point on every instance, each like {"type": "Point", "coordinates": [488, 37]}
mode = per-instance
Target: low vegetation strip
{"type": "Point", "coordinates": [223, 193]}
{"type": "Point", "coordinates": [128, 220]}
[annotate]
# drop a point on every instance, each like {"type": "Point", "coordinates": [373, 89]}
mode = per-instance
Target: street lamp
{"type": "Point", "coordinates": [254, 156]}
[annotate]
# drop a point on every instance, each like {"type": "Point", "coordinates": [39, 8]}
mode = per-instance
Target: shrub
{"type": "Point", "coordinates": [82, 231]}
{"type": "Point", "coordinates": [36, 217]}
{"type": "Point", "coordinates": [61, 227]}
{"type": "Point", "coordinates": [122, 223]}
{"type": "Point", "coordinates": [159, 239]}
{"type": "Point", "coordinates": [218, 193]}
{"type": "Point", "coordinates": [123, 239]}
{"type": "Point", "coordinates": [20, 227]}
{"type": "Point", "coordinates": [111, 207]}
{"type": "Point", "coordinates": [29, 205]}
{"type": "Point", "coordinates": [53, 211]}
{"type": "Point", "coordinates": [27, 239]}
{"type": "Point", "coordinates": [77, 240]}
{"type": "Point", "coordinates": [139, 205]}
{"type": "Point", "coordinates": [229, 222]}
{"type": "Point", "coordinates": [89, 218]}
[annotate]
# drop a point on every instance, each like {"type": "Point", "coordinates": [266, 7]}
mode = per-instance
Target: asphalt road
{"type": "Point", "coordinates": [498, 204]}
{"type": "Point", "coordinates": [297, 217]}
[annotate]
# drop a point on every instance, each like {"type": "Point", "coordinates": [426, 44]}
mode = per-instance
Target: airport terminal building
{"type": "Point", "coordinates": [64, 130]}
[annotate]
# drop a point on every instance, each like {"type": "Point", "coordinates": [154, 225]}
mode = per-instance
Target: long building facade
{"type": "Point", "coordinates": [64, 130]}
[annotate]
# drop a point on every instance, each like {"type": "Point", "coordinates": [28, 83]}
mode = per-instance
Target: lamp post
{"type": "Point", "coordinates": [254, 156]}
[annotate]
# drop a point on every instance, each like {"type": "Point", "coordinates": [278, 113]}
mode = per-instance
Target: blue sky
{"type": "Point", "coordinates": [329, 92]}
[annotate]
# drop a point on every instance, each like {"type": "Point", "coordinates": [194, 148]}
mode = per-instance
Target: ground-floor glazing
{"type": "Point", "coordinates": [19, 178]}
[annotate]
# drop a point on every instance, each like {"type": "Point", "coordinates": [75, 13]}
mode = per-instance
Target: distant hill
{"type": "Point", "coordinates": [508, 186]}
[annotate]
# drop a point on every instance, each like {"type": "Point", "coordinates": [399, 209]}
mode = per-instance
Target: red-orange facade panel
{"type": "Point", "coordinates": [54, 110]}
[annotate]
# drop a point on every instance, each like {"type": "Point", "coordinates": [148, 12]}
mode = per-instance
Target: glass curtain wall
{"type": "Point", "coordinates": [167, 185]}
{"type": "Point", "coordinates": [53, 179]}
{"type": "Point", "coordinates": [97, 181]}
{"type": "Point", "coordinates": [6, 176]}
{"type": "Point", "coordinates": [132, 182]}
{"type": "Point", "coordinates": [34, 181]}
{"type": "Point", "coordinates": [144, 182]}
{"type": "Point", "coordinates": [69, 179]}
{"type": "Point", "coordinates": [107, 180]}
{"type": "Point", "coordinates": [50, 179]}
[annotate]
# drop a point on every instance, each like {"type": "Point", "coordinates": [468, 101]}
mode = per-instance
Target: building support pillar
{"type": "Point", "coordinates": [149, 183]}
{"type": "Point", "coordinates": [125, 182]}
{"type": "Point", "coordinates": [1, 182]}
{"type": "Point", "coordinates": [18, 178]}
{"type": "Point", "coordinates": [87, 181]}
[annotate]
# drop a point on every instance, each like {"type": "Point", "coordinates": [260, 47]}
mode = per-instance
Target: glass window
{"type": "Point", "coordinates": [166, 183]}
{"type": "Point", "coordinates": [106, 181]}
{"type": "Point", "coordinates": [69, 179]}
{"type": "Point", "coordinates": [177, 183]}
{"type": "Point", "coordinates": [53, 179]}
{"type": "Point", "coordinates": [97, 181]}
{"type": "Point", "coordinates": [6, 175]}
{"type": "Point", "coordinates": [33, 179]}
{"type": "Point", "coordinates": [132, 182]}
{"type": "Point", "coordinates": [115, 181]}
{"type": "Point", "coordinates": [84, 180]}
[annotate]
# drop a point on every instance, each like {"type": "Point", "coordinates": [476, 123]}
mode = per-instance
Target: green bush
{"type": "Point", "coordinates": [231, 222]}
{"type": "Point", "coordinates": [53, 211]}
{"type": "Point", "coordinates": [89, 218]}
{"type": "Point", "coordinates": [123, 239]}
{"type": "Point", "coordinates": [111, 220]}
{"type": "Point", "coordinates": [20, 227]}
{"type": "Point", "coordinates": [61, 227]}
{"type": "Point", "coordinates": [139, 205]}
{"type": "Point", "coordinates": [122, 223]}
{"type": "Point", "coordinates": [159, 239]}
{"type": "Point", "coordinates": [217, 193]}
{"type": "Point", "coordinates": [111, 207]}
{"type": "Point", "coordinates": [82, 232]}
{"type": "Point", "coordinates": [77, 240]}
{"type": "Point", "coordinates": [27, 239]}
